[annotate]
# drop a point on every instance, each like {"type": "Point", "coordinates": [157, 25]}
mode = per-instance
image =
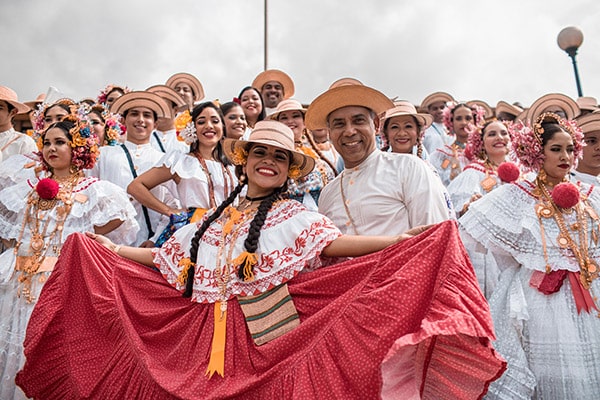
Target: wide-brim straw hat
{"type": "Point", "coordinates": [344, 96]}
{"type": "Point", "coordinates": [275, 134]}
{"type": "Point", "coordinates": [489, 112]}
{"type": "Point", "coordinates": [275, 75]}
{"type": "Point", "coordinates": [589, 122]}
{"type": "Point", "coordinates": [507, 108]}
{"type": "Point", "coordinates": [434, 98]}
{"type": "Point", "coordinates": [10, 96]}
{"type": "Point", "coordinates": [344, 82]}
{"type": "Point", "coordinates": [287, 105]}
{"type": "Point", "coordinates": [407, 108]}
{"type": "Point", "coordinates": [191, 80]}
{"type": "Point", "coordinates": [564, 102]}
{"type": "Point", "coordinates": [170, 95]}
{"type": "Point", "coordinates": [141, 99]}
{"type": "Point", "coordinates": [587, 103]}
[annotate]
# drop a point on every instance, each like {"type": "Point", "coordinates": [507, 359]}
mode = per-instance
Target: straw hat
{"type": "Point", "coordinates": [434, 98]}
{"type": "Point", "coordinates": [489, 113]}
{"type": "Point", "coordinates": [141, 99]}
{"type": "Point", "coordinates": [585, 103]}
{"type": "Point", "coordinates": [407, 108]}
{"type": "Point", "coordinates": [343, 96]}
{"type": "Point", "coordinates": [589, 122]}
{"type": "Point", "coordinates": [504, 107]}
{"type": "Point", "coordinates": [287, 105]}
{"type": "Point", "coordinates": [189, 79]}
{"type": "Point", "coordinates": [271, 133]}
{"type": "Point", "coordinates": [276, 76]}
{"type": "Point", "coordinates": [38, 100]}
{"type": "Point", "coordinates": [168, 94]}
{"type": "Point", "coordinates": [564, 102]}
{"type": "Point", "coordinates": [345, 81]}
{"type": "Point", "coordinates": [8, 95]}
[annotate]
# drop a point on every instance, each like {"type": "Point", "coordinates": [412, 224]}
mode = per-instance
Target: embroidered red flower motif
{"type": "Point", "coordinates": [47, 188]}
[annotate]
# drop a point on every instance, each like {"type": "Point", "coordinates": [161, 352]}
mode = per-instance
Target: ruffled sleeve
{"type": "Point", "coordinates": [290, 241]}
{"type": "Point", "coordinates": [107, 202]}
{"type": "Point", "coordinates": [13, 202]}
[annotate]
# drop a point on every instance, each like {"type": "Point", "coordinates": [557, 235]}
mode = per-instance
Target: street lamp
{"type": "Point", "coordinates": [569, 40]}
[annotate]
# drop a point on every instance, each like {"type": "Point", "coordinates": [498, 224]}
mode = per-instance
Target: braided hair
{"type": "Point", "coordinates": [251, 242]}
{"type": "Point", "coordinates": [189, 284]}
{"type": "Point", "coordinates": [311, 141]}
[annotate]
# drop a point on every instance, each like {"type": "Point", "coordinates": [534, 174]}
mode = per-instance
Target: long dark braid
{"type": "Point", "coordinates": [189, 284]}
{"type": "Point", "coordinates": [251, 242]}
{"type": "Point", "coordinates": [311, 141]}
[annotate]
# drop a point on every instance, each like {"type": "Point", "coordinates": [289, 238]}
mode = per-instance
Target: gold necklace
{"type": "Point", "coordinates": [548, 209]}
{"type": "Point", "coordinates": [37, 220]}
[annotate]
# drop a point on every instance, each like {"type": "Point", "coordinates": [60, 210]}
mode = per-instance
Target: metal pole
{"type": "Point", "coordinates": [266, 44]}
{"type": "Point", "coordinates": [577, 81]}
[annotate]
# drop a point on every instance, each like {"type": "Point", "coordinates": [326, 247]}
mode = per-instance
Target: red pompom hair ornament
{"type": "Point", "coordinates": [508, 172]}
{"type": "Point", "coordinates": [47, 188]}
{"type": "Point", "coordinates": [565, 195]}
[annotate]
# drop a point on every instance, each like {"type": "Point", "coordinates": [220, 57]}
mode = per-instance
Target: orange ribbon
{"type": "Point", "coordinates": [217, 351]}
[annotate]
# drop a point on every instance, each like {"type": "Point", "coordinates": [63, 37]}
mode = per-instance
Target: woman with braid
{"type": "Point", "coordinates": [259, 318]}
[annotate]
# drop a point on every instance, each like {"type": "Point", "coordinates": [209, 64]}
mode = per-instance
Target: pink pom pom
{"type": "Point", "coordinates": [47, 188]}
{"type": "Point", "coordinates": [508, 172]}
{"type": "Point", "coordinates": [565, 195]}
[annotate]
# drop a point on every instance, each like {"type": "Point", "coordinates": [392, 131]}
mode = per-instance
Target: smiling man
{"type": "Point", "coordinates": [121, 164]}
{"type": "Point", "coordinates": [378, 193]}
{"type": "Point", "coordinates": [274, 86]}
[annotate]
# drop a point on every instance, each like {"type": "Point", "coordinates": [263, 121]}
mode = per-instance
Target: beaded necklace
{"type": "Point", "coordinates": [345, 202]}
{"type": "Point", "coordinates": [548, 209]}
{"type": "Point", "coordinates": [37, 220]}
{"type": "Point", "coordinates": [227, 180]}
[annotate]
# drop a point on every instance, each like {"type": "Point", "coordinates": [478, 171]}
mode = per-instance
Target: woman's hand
{"type": "Point", "coordinates": [417, 230]}
{"type": "Point", "coordinates": [103, 240]}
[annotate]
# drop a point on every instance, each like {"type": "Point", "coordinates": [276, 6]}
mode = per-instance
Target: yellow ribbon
{"type": "Point", "coordinates": [198, 214]}
{"type": "Point", "coordinates": [246, 261]}
{"type": "Point", "coordinates": [217, 351]}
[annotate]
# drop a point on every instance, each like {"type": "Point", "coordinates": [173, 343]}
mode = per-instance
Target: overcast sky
{"type": "Point", "coordinates": [488, 50]}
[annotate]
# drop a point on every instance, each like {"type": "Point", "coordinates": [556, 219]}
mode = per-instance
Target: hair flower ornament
{"type": "Point", "coordinates": [186, 131]}
{"type": "Point", "coordinates": [240, 156]}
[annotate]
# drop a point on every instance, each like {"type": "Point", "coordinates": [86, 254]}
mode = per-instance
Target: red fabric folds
{"type": "Point", "coordinates": [108, 328]}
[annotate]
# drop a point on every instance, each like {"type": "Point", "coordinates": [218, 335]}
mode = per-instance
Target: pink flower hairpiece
{"type": "Point", "coordinates": [478, 114]}
{"type": "Point", "coordinates": [109, 88]}
{"type": "Point", "coordinates": [527, 140]}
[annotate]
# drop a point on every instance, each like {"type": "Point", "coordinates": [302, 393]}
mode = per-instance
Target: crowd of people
{"type": "Point", "coordinates": [156, 245]}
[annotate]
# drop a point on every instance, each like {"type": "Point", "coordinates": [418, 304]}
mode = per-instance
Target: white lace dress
{"type": "Point", "coordinates": [471, 181]}
{"type": "Point", "coordinates": [553, 351]}
{"type": "Point", "coordinates": [94, 203]}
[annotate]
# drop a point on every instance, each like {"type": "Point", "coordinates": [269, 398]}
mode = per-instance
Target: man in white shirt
{"type": "Point", "coordinates": [11, 141]}
{"type": "Point", "coordinates": [436, 136]}
{"type": "Point", "coordinates": [121, 164]}
{"type": "Point", "coordinates": [378, 193]}
{"type": "Point", "coordinates": [274, 86]}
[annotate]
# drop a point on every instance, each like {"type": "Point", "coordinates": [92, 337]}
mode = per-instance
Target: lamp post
{"type": "Point", "coordinates": [569, 40]}
{"type": "Point", "coordinates": [266, 52]}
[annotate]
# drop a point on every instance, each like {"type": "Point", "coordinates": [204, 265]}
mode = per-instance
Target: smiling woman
{"type": "Point", "coordinates": [203, 177]}
{"type": "Point", "coordinates": [37, 216]}
{"type": "Point", "coordinates": [534, 247]}
{"type": "Point", "coordinates": [487, 148]}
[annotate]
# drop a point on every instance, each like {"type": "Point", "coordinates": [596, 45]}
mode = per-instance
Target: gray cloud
{"type": "Point", "coordinates": [485, 50]}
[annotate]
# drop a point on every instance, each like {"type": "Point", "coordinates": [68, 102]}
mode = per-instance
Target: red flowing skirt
{"type": "Point", "coordinates": [108, 328]}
